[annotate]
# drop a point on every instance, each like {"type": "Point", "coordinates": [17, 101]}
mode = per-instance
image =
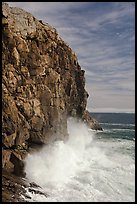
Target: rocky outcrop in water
{"type": "Point", "coordinates": [42, 85]}
{"type": "Point", "coordinates": [90, 121]}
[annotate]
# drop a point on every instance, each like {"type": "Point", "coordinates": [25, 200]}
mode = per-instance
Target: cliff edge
{"type": "Point", "coordinates": [42, 85]}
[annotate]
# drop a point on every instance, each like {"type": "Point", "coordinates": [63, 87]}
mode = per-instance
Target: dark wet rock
{"type": "Point", "coordinates": [15, 188]}
{"type": "Point", "coordinates": [12, 187]}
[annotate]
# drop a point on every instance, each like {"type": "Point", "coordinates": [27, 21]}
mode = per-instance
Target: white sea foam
{"type": "Point", "coordinates": [58, 162]}
{"type": "Point", "coordinates": [83, 168]}
{"type": "Point", "coordinates": [119, 124]}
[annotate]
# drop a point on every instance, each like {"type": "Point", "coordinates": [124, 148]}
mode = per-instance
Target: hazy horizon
{"type": "Point", "coordinates": [112, 112]}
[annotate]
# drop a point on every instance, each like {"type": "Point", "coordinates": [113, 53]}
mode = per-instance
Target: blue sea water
{"type": "Point", "coordinates": [92, 166]}
{"type": "Point", "coordinates": [116, 125]}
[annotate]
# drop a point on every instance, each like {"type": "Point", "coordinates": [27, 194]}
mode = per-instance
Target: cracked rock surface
{"type": "Point", "coordinates": [42, 85]}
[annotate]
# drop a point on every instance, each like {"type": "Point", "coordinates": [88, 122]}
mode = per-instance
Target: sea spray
{"type": "Point", "coordinates": [89, 167]}
{"type": "Point", "coordinates": [58, 162]}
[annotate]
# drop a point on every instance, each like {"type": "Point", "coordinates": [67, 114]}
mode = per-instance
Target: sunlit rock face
{"type": "Point", "coordinates": [42, 84]}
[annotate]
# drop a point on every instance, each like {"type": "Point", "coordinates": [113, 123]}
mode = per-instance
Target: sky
{"type": "Point", "coordinates": [102, 34]}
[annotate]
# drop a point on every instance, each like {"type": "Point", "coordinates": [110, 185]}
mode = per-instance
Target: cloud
{"type": "Point", "coordinates": [107, 100]}
{"type": "Point", "coordinates": [102, 34]}
{"type": "Point", "coordinates": [112, 17]}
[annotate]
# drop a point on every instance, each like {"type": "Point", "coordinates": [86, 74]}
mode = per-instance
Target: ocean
{"type": "Point", "coordinates": [92, 166]}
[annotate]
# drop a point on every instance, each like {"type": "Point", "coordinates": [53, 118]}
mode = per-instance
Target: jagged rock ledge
{"type": "Point", "coordinates": [42, 85]}
{"type": "Point", "coordinates": [90, 121]}
{"type": "Point", "coordinates": [17, 189]}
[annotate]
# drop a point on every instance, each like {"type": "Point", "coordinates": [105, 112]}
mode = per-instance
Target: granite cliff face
{"type": "Point", "coordinates": [42, 84]}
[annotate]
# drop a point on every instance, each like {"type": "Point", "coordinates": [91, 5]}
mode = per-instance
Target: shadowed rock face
{"type": "Point", "coordinates": [42, 84]}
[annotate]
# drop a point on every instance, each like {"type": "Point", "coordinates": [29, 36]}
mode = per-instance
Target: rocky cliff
{"type": "Point", "coordinates": [42, 84]}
